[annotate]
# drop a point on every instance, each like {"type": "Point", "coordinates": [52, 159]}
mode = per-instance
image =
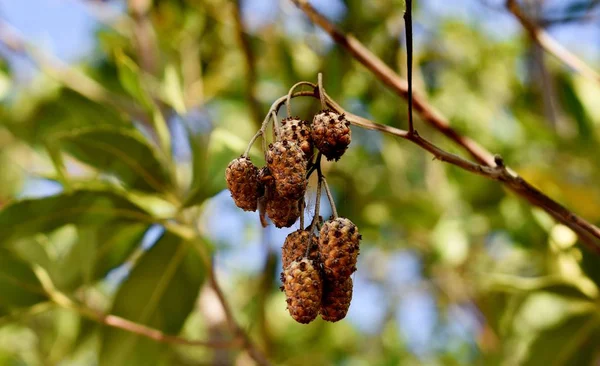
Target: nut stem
{"type": "Point", "coordinates": [329, 196]}
{"type": "Point", "coordinates": [288, 105]}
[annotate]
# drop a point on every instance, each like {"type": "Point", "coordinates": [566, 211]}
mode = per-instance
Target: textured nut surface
{"type": "Point", "coordinates": [336, 299]}
{"type": "Point", "coordinates": [303, 288]}
{"type": "Point", "coordinates": [297, 130]}
{"type": "Point", "coordinates": [243, 183]}
{"type": "Point", "coordinates": [338, 248]}
{"type": "Point", "coordinates": [331, 133]}
{"type": "Point", "coordinates": [282, 211]}
{"type": "Point", "coordinates": [294, 248]}
{"type": "Point", "coordinates": [287, 164]}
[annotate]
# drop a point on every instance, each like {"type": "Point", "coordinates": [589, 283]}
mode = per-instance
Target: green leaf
{"type": "Point", "coordinates": [124, 153]}
{"type": "Point", "coordinates": [129, 75]}
{"type": "Point", "coordinates": [97, 250]}
{"type": "Point", "coordinates": [173, 89]}
{"type": "Point", "coordinates": [210, 163]}
{"type": "Point", "coordinates": [575, 107]}
{"type": "Point", "coordinates": [25, 218]}
{"type": "Point", "coordinates": [62, 113]}
{"type": "Point", "coordinates": [19, 287]}
{"type": "Point", "coordinates": [199, 148]}
{"type": "Point", "coordinates": [160, 292]}
{"type": "Point", "coordinates": [571, 342]}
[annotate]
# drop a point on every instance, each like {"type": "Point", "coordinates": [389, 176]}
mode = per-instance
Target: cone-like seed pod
{"type": "Point", "coordinates": [287, 164]}
{"type": "Point", "coordinates": [338, 248]}
{"type": "Point", "coordinates": [297, 130]}
{"type": "Point", "coordinates": [242, 180]}
{"type": "Point", "coordinates": [336, 299]}
{"type": "Point", "coordinates": [331, 133]}
{"type": "Point", "coordinates": [282, 211]}
{"type": "Point", "coordinates": [294, 247]}
{"type": "Point", "coordinates": [303, 288]}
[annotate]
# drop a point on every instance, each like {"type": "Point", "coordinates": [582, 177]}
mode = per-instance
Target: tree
{"type": "Point", "coordinates": [136, 254]}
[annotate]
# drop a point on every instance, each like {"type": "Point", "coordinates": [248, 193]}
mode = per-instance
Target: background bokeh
{"type": "Point", "coordinates": [453, 269]}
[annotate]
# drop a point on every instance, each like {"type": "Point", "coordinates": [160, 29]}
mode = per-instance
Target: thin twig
{"type": "Point", "coordinates": [254, 352]}
{"type": "Point", "coordinates": [62, 300]}
{"type": "Point", "coordinates": [329, 196]}
{"type": "Point", "coordinates": [321, 91]}
{"type": "Point", "coordinates": [276, 128]}
{"type": "Point", "coordinates": [589, 233]}
{"type": "Point", "coordinates": [318, 199]}
{"type": "Point", "coordinates": [409, 61]}
{"type": "Point", "coordinates": [428, 113]}
{"type": "Point", "coordinates": [302, 208]}
{"type": "Point", "coordinates": [550, 44]}
{"type": "Point", "coordinates": [288, 105]}
{"type": "Point", "coordinates": [144, 35]}
{"type": "Point", "coordinates": [311, 231]}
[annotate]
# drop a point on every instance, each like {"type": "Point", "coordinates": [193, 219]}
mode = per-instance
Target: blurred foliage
{"type": "Point", "coordinates": [114, 205]}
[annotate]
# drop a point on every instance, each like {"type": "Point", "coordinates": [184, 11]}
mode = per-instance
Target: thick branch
{"type": "Point", "coordinates": [550, 45]}
{"type": "Point", "coordinates": [427, 112]}
{"type": "Point", "coordinates": [588, 233]}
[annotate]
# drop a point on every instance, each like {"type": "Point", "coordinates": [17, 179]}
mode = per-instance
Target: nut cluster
{"type": "Point", "coordinates": [331, 281]}
{"type": "Point", "coordinates": [318, 260]}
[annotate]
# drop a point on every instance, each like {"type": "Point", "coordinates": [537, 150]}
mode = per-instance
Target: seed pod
{"type": "Point", "coordinates": [331, 133]}
{"type": "Point", "coordinates": [294, 247]}
{"type": "Point", "coordinates": [338, 248]}
{"type": "Point", "coordinates": [336, 299]}
{"type": "Point", "coordinates": [282, 211]}
{"type": "Point", "coordinates": [287, 164]}
{"type": "Point", "coordinates": [242, 180]}
{"type": "Point", "coordinates": [303, 288]}
{"type": "Point", "coordinates": [297, 130]}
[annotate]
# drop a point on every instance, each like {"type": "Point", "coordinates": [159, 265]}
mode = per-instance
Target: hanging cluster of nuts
{"type": "Point", "coordinates": [318, 260]}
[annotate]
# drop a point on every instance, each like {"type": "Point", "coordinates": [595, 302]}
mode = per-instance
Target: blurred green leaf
{"type": "Point", "coordinates": [130, 77]}
{"type": "Point", "coordinates": [38, 119]}
{"type": "Point", "coordinates": [19, 287]}
{"type": "Point", "coordinates": [199, 148]}
{"type": "Point", "coordinates": [160, 292]}
{"type": "Point", "coordinates": [124, 153]}
{"type": "Point", "coordinates": [173, 89]}
{"type": "Point", "coordinates": [25, 218]}
{"type": "Point", "coordinates": [575, 108]}
{"type": "Point", "coordinates": [98, 250]}
{"type": "Point", "coordinates": [210, 162]}
{"type": "Point", "coordinates": [564, 344]}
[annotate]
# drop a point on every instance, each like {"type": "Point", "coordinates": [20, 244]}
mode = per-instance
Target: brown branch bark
{"type": "Point", "coordinates": [144, 36]}
{"type": "Point", "coordinates": [156, 335]}
{"type": "Point", "coordinates": [550, 44]}
{"type": "Point", "coordinates": [399, 85]}
{"type": "Point", "coordinates": [489, 167]}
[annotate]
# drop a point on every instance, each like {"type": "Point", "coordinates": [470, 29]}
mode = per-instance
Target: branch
{"type": "Point", "coordinates": [144, 35]}
{"type": "Point", "coordinates": [427, 112]}
{"type": "Point", "coordinates": [490, 167]}
{"type": "Point", "coordinates": [550, 44]}
{"type": "Point", "coordinates": [114, 321]}
{"type": "Point", "coordinates": [247, 343]}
